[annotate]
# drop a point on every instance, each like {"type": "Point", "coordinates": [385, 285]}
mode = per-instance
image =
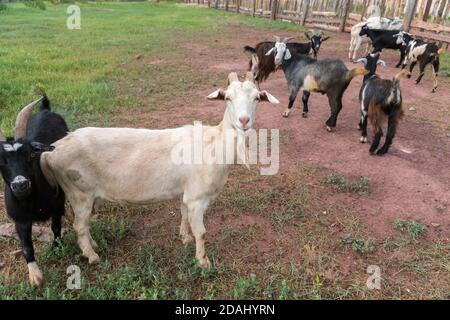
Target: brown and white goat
{"type": "Point", "coordinates": [140, 166]}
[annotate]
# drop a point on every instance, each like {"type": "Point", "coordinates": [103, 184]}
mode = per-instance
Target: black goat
{"type": "Point", "coordinates": [28, 196]}
{"type": "Point", "coordinates": [262, 65]}
{"type": "Point", "coordinates": [384, 39]}
{"type": "Point", "coordinates": [379, 97]}
{"type": "Point", "coordinates": [328, 76]}
{"type": "Point", "coordinates": [422, 52]}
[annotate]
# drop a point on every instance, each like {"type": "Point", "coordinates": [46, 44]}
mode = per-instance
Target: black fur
{"type": "Point", "coordinates": [384, 39]}
{"type": "Point", "coordinates": [379, 97]}
{"type": "Point", "coordinates": [331, 76]}
{"type": "Point", "coordinates": [34, 200]}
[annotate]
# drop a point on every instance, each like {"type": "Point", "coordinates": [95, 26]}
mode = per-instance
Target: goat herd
{"type": "Point", "coordinates": [43, 164]}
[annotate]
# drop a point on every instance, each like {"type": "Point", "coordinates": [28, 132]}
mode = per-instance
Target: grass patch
{"type": "Point", "coordinates": [413, 228]}
{"type": "Point", "coordinates": [359, 185]}
{"type": "Point", "coordinates": [358, 244]}
{"type": "Point", "coordinates": [445, 64]}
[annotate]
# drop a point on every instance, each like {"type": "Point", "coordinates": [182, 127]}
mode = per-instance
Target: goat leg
{"type": "Point", "coordinates": [24, 232]}
{"type": "Point", "coordinates": [291, 102]}
{"type": "Point", "coordinates": [305, 99]}
{"type": "Point", "coordinates": [422, 72]}
{"type": "Point", "coordinates": [435, 70]}
{"type": "Point", "coordinates": [390, 134]}
{"type": "Point", "coordinates": [56, 228]}
{"type": "Point", "coordinates": [376, 141]}
{"type": "Point", "coordinates": [411, 67]}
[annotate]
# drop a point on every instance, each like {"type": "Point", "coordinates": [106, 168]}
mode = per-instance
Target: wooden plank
{"type": "Point", "coordinates": [273, 10]}
{"type": "Point", "coordinates": [346, 7]}
{"type": "Point", "coordinates": [409, 14]}
{"type": "Point", "coordinates": [426, 13]}
{"type": "Point", "coordinates": [305, 11]}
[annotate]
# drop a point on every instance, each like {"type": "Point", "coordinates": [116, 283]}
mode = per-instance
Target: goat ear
{"type": "Point", "coordinates": [265, 96]}
{"type": "Point", "coordinates": [287, 55]}
{"type": "Point", "coordinates": [361, 60]}
{"type": "Point", "coordinates": [219, 94]}
{"type": "Point", "coordinates": [37, 148]}
{"type": "Point", "coordinates": [307, 35]}
{"type": "Point", "coordinates": [270, 51]}
{"type": "Point", "coordinates": [325, 39]}
{"type": "Point", "coordinates": [381, 62]}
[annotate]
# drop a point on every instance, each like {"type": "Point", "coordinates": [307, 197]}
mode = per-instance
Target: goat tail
{"type": "Point", "coordinates": [45, 103]}
{"type": "Point", "coordinates": [249, 49]}
{"type": "Point", "coordinates": [360, 71]}
{"type": "Point", "coordinates": [398, 76]}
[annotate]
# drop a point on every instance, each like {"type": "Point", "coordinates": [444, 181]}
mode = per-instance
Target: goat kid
{"type": "Point", "coordinates": [384, 39]}
{"type": "Point", "coordinates": [262, 65]}
{"type": "Point", "coordinates": [137, 166]}
{"type": "Point", "coordinates": [28, 196]}
{"type": "Point", "coordinates": [328, 76]}
{"type": "Point", "coordinates": [373, 23]}
{"type": "Point", "coordinates": [423, 52]}
{"type": "Point", "coordinates": [378, 98]}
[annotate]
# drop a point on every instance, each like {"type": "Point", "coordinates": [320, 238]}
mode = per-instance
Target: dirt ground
{"type": "Point", "coordinates": [411, 182]}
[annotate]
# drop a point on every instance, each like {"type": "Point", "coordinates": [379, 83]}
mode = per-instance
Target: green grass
{"type": "Point", "coordinates": [277, 237]}
{"type": "Point", "coordinates": [358, 185]}
{"type": "Point", "coordinates": [445, 64]}
{"type": "Point", "coordinates": [78, 68]}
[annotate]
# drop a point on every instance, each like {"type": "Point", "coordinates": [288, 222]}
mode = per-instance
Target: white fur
{"type": "Point", "coordinates": [135, 166]}
{"type": "Point", "coordinates": [373, 23]}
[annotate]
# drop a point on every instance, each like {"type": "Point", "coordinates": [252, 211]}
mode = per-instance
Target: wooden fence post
{"type": "Point", "coordinates": [364, 9]}
{"type": "Point", "coordinates": [409, 14]}
{"type": "Point", "coordinates": [254, 8]}
{"type": "Point", "coordinates": [346, 9]}
{"type": "Point", "coordinates": [238, 5]}
{"type": "Point", "coordinates": [441, 11]}
{"type": "Point", "coordinates": [305, 10]}
{"type": "Point", "coordinates": [273, 10]}
{"type": "Point", "coordinates": [226, 5]}
{"type": "Point", "coordinates": [427, 10]}
{"type": "Point", "coordinates": [217, 4]}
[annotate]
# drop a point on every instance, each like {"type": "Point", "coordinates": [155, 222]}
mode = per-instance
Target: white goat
{"type": "Point", "coordinates": [136, 166]}
{"type": "Point", "coordinates": [373, 23]}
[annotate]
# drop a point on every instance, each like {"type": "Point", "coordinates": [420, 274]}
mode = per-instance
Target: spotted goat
{"type": "Point", "coordinates": [424, 53]}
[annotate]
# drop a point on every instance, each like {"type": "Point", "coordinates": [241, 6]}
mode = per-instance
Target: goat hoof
{"type": "Point", "coordinates": [94, 258]}
{"type": "Point", "coordinates": [305, 114]}
{"type": "Point", "coordinates": [433, 91]}
{"type": "Point", "coordinates": [35, 275]}
{"type": "Point", "coordinates": [93, 244]}
{"type": "Point", "coordinates": [286, 113]}
{"type": "Point", "coordinates": [186, 239]}
{"type": "Point", "coordinates": [205, 263]}
{"type": "Point", "coordinates": [381, 152]}
{"type": "Point", "coordinates": [408, 76]}
{"type": "Point", "coordinates": [330, 129]}
{"type": "Point", "coordinates": [363, 139]}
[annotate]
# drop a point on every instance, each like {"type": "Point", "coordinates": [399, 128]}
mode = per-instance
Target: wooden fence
{"type": "Point", "coordinates": [428, 19]}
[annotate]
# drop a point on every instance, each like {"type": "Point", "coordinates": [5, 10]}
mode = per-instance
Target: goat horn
{"type": "Point", "coordinates": [2, 136]}
{"type": "Point", "coordinates": [22, 119]}
{"type": "Point", "coordinates": [250, 77]}
{"type": "Point", "coordinates": [285, 40]}
{"type": "Point", "coordinates": [232, 77]}
{"type": "Point", "coordinates": [277, 39]}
